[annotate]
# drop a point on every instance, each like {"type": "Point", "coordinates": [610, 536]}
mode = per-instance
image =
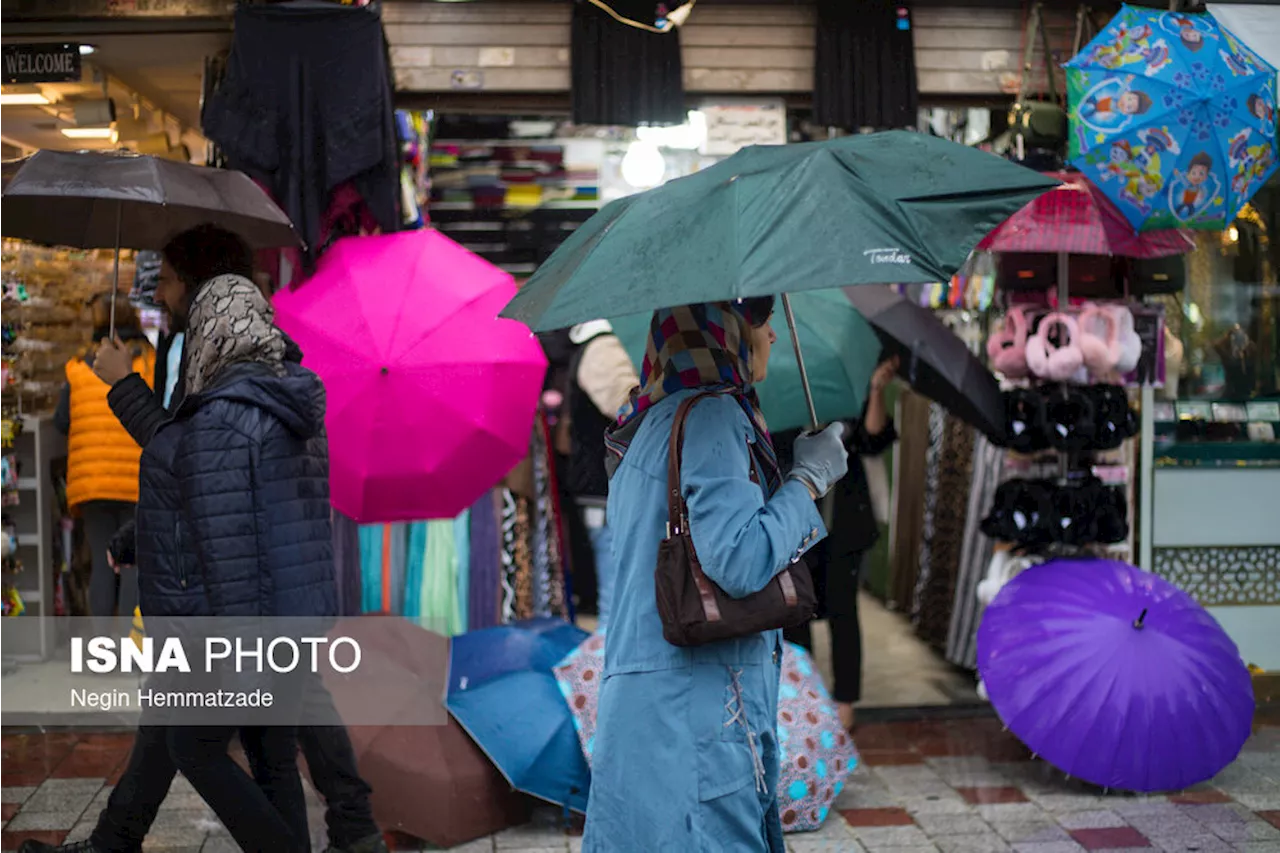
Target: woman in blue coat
{"type": "Point", "coordinates": [233, 521]}
{"type": "Point", "coordinates": [686, 756]}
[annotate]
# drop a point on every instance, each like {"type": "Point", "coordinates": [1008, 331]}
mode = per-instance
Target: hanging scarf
{"type": "Point", "coordinates": [230, 323]}
{"type": "Point", "coordinates": [705, 347]}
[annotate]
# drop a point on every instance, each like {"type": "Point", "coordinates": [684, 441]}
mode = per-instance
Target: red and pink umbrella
{"type": "Point", "coordinates": [1078, 219]}
{"type": "Point", "coordinates": [431, 397]}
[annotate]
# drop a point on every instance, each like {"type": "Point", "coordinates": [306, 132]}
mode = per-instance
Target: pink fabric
{"type": "Point", "coordinates": [431, 397]}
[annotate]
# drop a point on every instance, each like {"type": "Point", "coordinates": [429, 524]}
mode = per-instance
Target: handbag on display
{"type": "Point", "coordinates": [693, 609]}
{"type": "Point", "coordinates": [1158, 275]}
{"type": "Point", "coordinates": [1090, 276]}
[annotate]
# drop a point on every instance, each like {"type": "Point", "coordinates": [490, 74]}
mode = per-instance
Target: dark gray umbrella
{"type": "Point", "coordinates": [92, 200]}
{"type": "Point", "coordinates": [95, 200]}
{"type": "Point", "coordinates": [934, 361]}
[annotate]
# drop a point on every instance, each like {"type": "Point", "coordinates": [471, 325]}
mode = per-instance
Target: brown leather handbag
{"type": "Point", "coordinates": [693, 609]}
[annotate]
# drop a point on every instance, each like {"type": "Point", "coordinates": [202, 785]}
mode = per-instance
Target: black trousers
{"type": "Point", "coordinates": [133, 804]}
{"type": "Point", "coordinates": [265, 812]}
{"type": "Point", "coordinates": [836, 584]}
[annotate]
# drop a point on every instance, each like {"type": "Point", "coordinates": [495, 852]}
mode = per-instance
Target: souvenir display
{"type": "Point", "coordinates": [1092, 342]}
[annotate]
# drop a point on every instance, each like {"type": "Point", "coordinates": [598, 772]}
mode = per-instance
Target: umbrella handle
{"type": "Point", "coordinates": [804, 374]}
{"type": "Point", "coordinates": [115, 277]}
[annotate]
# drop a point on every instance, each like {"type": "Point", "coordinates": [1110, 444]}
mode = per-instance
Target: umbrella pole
{"type": "Point", "coordinates": [829, 500]}
{"type": "Point", "coordinates": [804, 374]}
{"type": "Point", "coordinates": [115, 277]}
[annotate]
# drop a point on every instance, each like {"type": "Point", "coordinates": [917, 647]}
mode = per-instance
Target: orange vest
{"type": "Point", "coordinates": [102, 458]}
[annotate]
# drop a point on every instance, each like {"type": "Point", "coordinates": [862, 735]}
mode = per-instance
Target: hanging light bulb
{"type": "Point", "coordinates": [643, 166]}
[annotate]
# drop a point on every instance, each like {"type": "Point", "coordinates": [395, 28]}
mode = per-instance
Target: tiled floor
{"type": "Point", "coordinates": [948, 787]}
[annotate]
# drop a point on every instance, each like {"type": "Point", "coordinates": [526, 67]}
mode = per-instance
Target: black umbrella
{"type": "Point", "coordinates": [94, 200]}
{"type": "Point", "coordinates": [934, 361]}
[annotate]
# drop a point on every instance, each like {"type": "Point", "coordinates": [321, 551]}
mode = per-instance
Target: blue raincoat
{"type": "Point", "coordinates": [686, 751]}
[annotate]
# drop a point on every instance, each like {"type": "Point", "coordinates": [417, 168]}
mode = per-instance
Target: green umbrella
{"type": "Point", "coordinates": [882, 208]}
{"type": "Point", "coordinates": [895, 207]}
{"type": "Point", "coordinates": [841, 351]}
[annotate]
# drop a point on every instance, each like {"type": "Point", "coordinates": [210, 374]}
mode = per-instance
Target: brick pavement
{"type": "Point", "coordinates": [962, 786]}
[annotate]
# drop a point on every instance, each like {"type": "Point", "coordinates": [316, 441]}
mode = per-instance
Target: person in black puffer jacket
{"type": "Point", "coordinates": [233, 520]}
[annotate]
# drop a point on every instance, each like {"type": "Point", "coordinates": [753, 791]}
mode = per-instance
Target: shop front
{"type": "Point", "coordinates": [64, 92]}
{"type": "Point", "coordinates": [1214, 469]}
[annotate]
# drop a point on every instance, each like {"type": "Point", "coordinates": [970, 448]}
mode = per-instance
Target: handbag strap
{"type": "Point", "coordinates": [677, 513]}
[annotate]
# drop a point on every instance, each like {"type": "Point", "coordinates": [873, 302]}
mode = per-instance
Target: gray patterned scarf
{"type": "Point", "coordinates": [230, 323]}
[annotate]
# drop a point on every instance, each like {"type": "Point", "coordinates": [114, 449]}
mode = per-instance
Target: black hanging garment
{"type": "Point", "coordinates": [864, 71]}
{"type": "Point", "coordinates": [621, 74]}
{"type": "Point", "coordinates": [305, 105]}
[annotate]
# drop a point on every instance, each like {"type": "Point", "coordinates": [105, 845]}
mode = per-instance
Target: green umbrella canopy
{"type": "Point", "coordinates": [895, 207]}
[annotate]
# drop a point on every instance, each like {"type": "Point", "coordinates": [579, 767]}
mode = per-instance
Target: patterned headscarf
{"type": "Point", "coordinates": [706, 347]}
{"type": "Point", "coordinates": [230, 323]}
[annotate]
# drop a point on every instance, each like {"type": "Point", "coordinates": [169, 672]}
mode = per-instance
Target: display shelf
{"type": "Point", "coordinates": [36, 448]}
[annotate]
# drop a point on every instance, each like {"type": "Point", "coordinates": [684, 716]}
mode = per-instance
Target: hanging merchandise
{"type": "Point", "coordinates": [305, 77]}
{"type": "Point", "coordinates": [146, 277]}
{"type": "Point", "coordinates": [864, 65]}
{"type": "Point", "coordinates": [621, 73]}
{"type": "Point", "coordinates": [1173, 117]}
{"type": "Point", "coordinates": [1089, 343]}
{"type": "Point", "coordinates": [411, 156]}
{"type": "Point", "coordinates": [12, 601]}
{"type": "Point", "coordinates": [1037, 126]}
{"type": "Point", "coordinates": [9, 471]}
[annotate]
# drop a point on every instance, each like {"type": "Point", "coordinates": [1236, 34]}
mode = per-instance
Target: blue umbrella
{"type": "Point", "coordinates": [502, 691]}
{"type": "Point", "coordinates": [1173, 117]}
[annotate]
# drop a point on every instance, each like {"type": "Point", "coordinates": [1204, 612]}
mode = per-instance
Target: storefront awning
{"type": "Point", "coordinates": [1257, 25]}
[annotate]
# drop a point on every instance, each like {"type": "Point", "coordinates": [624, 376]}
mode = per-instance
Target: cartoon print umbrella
{"type": "Point", "coordinates": [816, 753]}
{"type": "Point", "coordinates": [431, 398]}
{"type": "Point", "coordinates": [1173, 117]}
{"type": "Point", "coordinates": [1114, 675]}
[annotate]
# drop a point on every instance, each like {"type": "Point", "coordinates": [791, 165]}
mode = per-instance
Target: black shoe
{"type": "Point", "coordinates": [30, 846]}
{"type": "Point", "coordinates": [368, 844]}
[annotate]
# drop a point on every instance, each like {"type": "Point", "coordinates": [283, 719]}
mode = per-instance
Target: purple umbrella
{"type": "Point", "coordinates": [1115, 676]}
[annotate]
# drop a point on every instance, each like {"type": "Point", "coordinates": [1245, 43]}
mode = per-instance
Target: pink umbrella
{"type": "Point", "coordinates": [431, 397]}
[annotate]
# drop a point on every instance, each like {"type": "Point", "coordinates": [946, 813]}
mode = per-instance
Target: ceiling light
{"type": "Point", "coordinates": [25, 99]}
{"type": "Point", "coordinates": [643, 166]}
{"type": "Point", "coordinates": [86, 49]}
{"type": "Point", "coordinates": [89, 133]}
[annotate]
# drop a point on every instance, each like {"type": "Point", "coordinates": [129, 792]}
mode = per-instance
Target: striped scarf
{"type": "Point", "coordinates": [705, 347]}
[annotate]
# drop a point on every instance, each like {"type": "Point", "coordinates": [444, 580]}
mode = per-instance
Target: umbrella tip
{"type": "Point", "coordinates": [385, 371]}
{"type": "Point", "coordinates": [1142, 617]}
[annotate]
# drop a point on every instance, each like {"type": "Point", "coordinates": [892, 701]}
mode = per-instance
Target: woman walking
{"type": "Point", "coordinates": [686, 755]}
{"type": "Point", "coordinates": [234, 521]}
{"type": "Point", "coordinates": [102, 459]}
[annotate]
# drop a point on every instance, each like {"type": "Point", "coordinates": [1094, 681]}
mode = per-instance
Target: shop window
{"type": "Point", "coordinates": [1221, 401]}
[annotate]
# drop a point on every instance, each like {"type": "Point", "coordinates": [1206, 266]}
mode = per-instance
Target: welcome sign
{"type": "Point", "coordinates": [42, 63]}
